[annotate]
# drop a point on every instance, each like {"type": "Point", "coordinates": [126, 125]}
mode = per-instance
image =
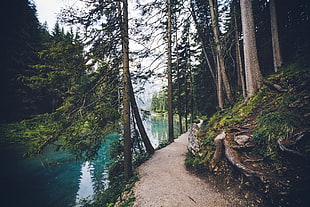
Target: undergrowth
{"type": "Point", "coordinates": [273, 115]}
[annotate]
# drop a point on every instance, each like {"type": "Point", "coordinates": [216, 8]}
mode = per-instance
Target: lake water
{"type": "Point", "coordinates": [55, 179]}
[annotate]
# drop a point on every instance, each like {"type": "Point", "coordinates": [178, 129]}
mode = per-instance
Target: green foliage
{"type": "Point", "coordinates": [272, 126]}
{"type": "Point", "coordinates": [20, 42]}
{"type": "Point", "coordinates": [14, 133]}
{"type": "Point", "coordinates": [163, 144]}
{"type": "Point", "coordinates": [274, 115]}
{"type": "Point", "coordinates": [159, 101]}
{"type": "Point", "coordinates": [117, 182]}
{"type": "Point", "coordinates": [60, 71]}
{"type": "Point", "coordinates": [195, 163]}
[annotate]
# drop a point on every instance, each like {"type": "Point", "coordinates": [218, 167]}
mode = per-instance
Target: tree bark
{"type": "Point", "coordinates": [148, 146]}
{"type": "Point", "coordinates": [191, 96]}
{"type": "Point", "coordinates": [219, 87]}
{"type": "Point", "coordinates": [204, 45]}
{"type": "Point", "coordinates": [252, 68]}
{"type": "Point", "coordinates": [238, 54]}
{"type": "Point", "coordinates": [128, 172]}
{"type": "Point", "coordinates": [179, 85]}
{"type": "Point", "coordinates": [236, 162]}
{"type": "Point", "coordinates": [218, 142]}
{"type": "Point", "coordinates": [277, 58]}
{"type": "Point", "coordinates": [219, 54]}
{"type": "Point", "coordinates": [170, 112]}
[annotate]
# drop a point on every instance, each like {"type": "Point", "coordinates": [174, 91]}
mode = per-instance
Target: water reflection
{"type": "Point", "coordinates": [55, 178]}
{"type": "Point", "coordinates": [94, 173]}
{"type": "Point", "coordinates": [86, 190]}
{"type": "Point", "coordinates": [157, 128]}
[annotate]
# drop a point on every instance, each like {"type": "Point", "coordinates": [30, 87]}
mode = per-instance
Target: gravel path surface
{"type": "Point", "coordinates": [165, 182]}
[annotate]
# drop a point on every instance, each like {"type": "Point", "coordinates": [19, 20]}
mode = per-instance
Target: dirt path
{"type": "Point", "coordinates": [165, 182]}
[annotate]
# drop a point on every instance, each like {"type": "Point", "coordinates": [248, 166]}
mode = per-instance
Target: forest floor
{"type": "Point", "coordinates": [165, 182]}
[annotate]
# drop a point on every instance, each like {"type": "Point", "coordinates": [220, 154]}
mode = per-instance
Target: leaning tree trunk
{"type": "Point", "coordinates": [204, 44]}
{"type": "Point", "coordinates": [170, 113]}
{"type": "Point", "coordinates": [148, 146]}
{"type": "Point", "coordinates": [252, 70]}
{"type": "Point", "coordinates": [126, 91]}
{"type": "Point", "coordinates": [277, 58]}
{"type": "Point", "coordinates": [219, 53]}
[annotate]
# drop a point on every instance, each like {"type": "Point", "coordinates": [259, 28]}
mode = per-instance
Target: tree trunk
{"type": "Point", "coordinates": [221, 65]}
{"type": "Point", "coordinates": [179, 85]}
{"type": "Point", "coordinates": [191, 95]}
{"type": "Point", "coordinates": [186, 104]}
{"type": "Point", "coordinates": [218, 142]}
{"type": "Point", "coordinates": [219, 87]}
{"type": "Point", "coordinates": [202, 42]}
{"type": "Point", "coordinates": [238, 55]}
{"type": "Point", "coordinates": [134, 106]}
{"type": "Point", "coordinates": [170, 112]}
{"type": "Point", "coordinates": [252, 70]}
{"type": "Point", "coordinates": [277, 58]}
{"type": "Point", "coordinates": [126, 91]}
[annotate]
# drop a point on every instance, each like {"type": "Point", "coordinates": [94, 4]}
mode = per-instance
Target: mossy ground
{"type": "Point", "coordinates": [270, 115]}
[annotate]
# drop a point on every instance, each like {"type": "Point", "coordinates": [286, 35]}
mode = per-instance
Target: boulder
{"type": "Point", "coordinates": [193, 142]}
{"type": "Point", "coordinates": [242, 139]}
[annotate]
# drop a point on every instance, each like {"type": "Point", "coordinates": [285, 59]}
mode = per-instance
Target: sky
{"type": "Point", "coordinates": [47, 10]}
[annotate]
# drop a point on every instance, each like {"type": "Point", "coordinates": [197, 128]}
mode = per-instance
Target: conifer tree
{"type": "Point", "coordinates": [169, 71]}
{"type": "Point", "coordinates": [20, 40]}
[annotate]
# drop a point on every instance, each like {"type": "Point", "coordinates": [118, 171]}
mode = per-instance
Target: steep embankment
{"type": "Point", "coordinates": [262, 145]}
{"type": "Point", "coordinates": [164, 181]}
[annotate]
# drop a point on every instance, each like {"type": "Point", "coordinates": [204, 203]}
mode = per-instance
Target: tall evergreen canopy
{"type": "Point", "coordinates": [70, 87]}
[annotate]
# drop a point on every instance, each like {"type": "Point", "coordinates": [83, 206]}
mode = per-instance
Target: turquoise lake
{"type": "Point", "coordinates": [56, 179]}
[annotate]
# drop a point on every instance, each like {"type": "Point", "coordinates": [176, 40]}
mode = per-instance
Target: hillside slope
{"type": "Point", "coordinates": [262, 147]}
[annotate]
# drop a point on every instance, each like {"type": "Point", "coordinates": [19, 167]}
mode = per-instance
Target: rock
{"type": "Point", "coordinates": [193, 142]}
{"type": "Point", "coordinates": [242, 139]}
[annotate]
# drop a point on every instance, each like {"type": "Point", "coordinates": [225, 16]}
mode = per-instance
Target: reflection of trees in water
{"type": "Point", "coordinates": [99, 169]}
{"type": "Point", "coordinates": [159, 129]}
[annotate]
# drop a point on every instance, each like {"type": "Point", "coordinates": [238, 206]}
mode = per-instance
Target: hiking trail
{"type": "Point", "coordinates": [165, 182]}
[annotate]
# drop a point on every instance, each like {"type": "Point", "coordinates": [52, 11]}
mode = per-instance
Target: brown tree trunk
{"type": "Point", "coordinates": [238, 54]}
{"type": "Point", "coordinates": [170, 112]}
{"type": "Point", "coordinates": [219, 86]}
{"type": "Point", "coordinates": [204, 45]}
{"type": "Point", "coordinates": [277, 58]}
{"type": "Point", "coordinates": [218, 142]}
{"type": "Point", "coordinates": [186, 105]}
{"type": "Point", "coordinates": [191, 96]}
{"type": "Point", "coordinates": [219, 54]}
{"type": "Point", "coordinates": [134, 106]}
{"type": "Point", "coordinates": [126, 91]}
{"type": "Point", "coordinates": [179, 85]}
{"type": "Point", "coordinates": [252, 70]}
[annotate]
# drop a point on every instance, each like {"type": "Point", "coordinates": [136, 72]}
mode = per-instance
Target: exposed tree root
{"type": "Point", "coordinates": [285, 145]}
{"type": "Point", "coordinates": [218, 141]}
{"type": "Point", "coordinates": [221, 142]}
{"type": "Point", "coordinates": [233, 159]}
{"type": "Point", "coordinates": [274, 86]}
